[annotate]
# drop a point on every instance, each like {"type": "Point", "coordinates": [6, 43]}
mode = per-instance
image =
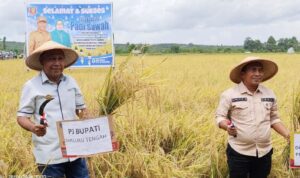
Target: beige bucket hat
{"type": "Point", "coordinates": [33, 60]}
{"type": "Point", "coordinates": [270, 68]}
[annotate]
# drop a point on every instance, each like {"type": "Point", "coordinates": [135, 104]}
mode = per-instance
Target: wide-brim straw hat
{"type": "Point", "coordinates": [270, 68]}
{"type": "Point", "coordinates": [33, 60]}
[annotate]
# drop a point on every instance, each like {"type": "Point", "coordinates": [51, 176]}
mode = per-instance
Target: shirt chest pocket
{"type": "Point", "coordinates": [68, 96]}
{"type": "Point", "coordinates": [70, 92]}
{"type": "Point", "coordinates": [240, 110]}
{"type": "Point", "coordinates": [267, 109]}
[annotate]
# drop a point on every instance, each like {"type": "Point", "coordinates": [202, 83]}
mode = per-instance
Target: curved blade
{"type": "Point", "coordinates": [42, 107]}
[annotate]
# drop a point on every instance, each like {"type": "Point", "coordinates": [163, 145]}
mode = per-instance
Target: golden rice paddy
{"type": "Point", "coordinates": [167, 131]}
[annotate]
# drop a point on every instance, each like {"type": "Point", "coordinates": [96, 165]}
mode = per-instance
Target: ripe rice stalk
{"type": "Point", "coordinates": [183, 108]}
{"type": "Point", "coordinates": [3, 168]}
{"type": "Point", "coordinates": [122, 84]}
{"type": "Point", "coordinates": [295, 121]}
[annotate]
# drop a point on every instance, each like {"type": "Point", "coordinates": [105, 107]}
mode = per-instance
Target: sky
{"type": "Point", "coordinates": [207, 22]}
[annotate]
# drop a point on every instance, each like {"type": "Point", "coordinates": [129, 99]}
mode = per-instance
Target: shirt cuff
{"type": "Point", "coordinates": [24, 114]}
{"type": "Point", "coordinates": [81, 106]}
{"type": "Point", "coordinates": [275, 121]}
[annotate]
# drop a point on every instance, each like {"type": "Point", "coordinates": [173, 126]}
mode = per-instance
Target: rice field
{"type": "Point", "coordinates": [167, 130]}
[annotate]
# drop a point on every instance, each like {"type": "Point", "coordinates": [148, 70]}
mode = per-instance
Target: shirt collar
{"type": "Point", "coordinates": [45, 79]}
{"type": "Point", "coordinates": [244, 89]}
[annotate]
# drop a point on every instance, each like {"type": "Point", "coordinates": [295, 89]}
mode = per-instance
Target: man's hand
{"type": "Point", "coordinates": [39, 130]}
{"type": "Point", "coordinates": [83, 113]}
{"type": "Point", "coordinates": [27, 124]}
{"type": "Point", "coordinates": [231, 130]}
{"type": "Point", "coordinates": [287, 137]}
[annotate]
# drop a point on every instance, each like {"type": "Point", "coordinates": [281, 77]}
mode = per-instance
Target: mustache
{"type": "Point", "coordinates": [257, 78]}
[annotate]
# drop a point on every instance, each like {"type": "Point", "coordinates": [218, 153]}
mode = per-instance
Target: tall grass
{"type": "Point", "coordinates": [295, 121]}
{"type": "Point", "coordinates": [167, 131]}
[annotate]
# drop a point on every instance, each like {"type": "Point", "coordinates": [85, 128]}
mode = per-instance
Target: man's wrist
{"type": "Point", "coordinates": [225, 127]}
{"type": "Point", "coordinates": [31, 128]}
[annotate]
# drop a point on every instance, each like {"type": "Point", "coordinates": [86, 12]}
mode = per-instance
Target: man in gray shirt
{"type": "Point", "coordinates": [67, 101]}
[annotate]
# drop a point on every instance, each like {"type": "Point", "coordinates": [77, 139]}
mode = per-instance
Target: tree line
{"type": "Point", "coordinates": [16, 47]}
{"type": "Point", "coordinates": [250, 45]}
{"type": "Point", "coordinates": [166, 48]}
{"type": "Point", "coordinates": [271, 45]}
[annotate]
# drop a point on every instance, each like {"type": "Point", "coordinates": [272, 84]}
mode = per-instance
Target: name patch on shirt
{"type": "Point", "coordinates": [238, 99]}
{"type": "Point", "coordinates": [267, 99]}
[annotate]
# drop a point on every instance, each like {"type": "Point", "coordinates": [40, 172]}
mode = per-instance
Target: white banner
{"type": "Point", "coordinates": [297, 150]}
{"type": "Point", "coordinates": [85, 27]}
{"type": "Point", "coordinates": [85, 137]}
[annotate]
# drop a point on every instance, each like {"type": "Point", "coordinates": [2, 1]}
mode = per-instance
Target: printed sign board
{"type": "Point", "coordinates": [295, 150]}
{"type": "Point", "coordinates": [85, 27]}
{"type": "Point", "coordinates": [85, 137]}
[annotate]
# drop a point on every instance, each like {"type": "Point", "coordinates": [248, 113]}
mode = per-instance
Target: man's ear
{"type": "Point", "coordinates": [41, 61]}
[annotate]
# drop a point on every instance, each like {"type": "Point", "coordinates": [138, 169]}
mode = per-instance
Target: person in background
{"type": "Point", "coordinates": [40, 36]}
{"type": "Point", "coordinates": [60, 36]}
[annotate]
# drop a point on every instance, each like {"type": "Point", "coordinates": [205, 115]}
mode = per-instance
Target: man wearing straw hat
{"type": "Point", "coordinates": [51, 59]}
{"type": "Point", "coordinates": [247, 112]}
{"type": "Point", "coordinates": [40, 36]}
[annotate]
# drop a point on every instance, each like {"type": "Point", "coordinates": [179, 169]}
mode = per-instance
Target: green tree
{"type": "Point", "coordinates": [293, 42]}
{"type": "Point", "coordinates": [271, 44]}
{"type": "Point", "coordinates": [258, 46]}
{"type": "Point", "coordinates": [130, 47]}
{"type": "Point", "coordinates": [175, 49]}
{"type": "Point", "coordinates": [253, 45]}
{"type": "Point", "coordinates": [283, 44]}
{"type": "Point", "coordinates": [227, 50]}
{"type": "Point", "coordinates": [249, 44]}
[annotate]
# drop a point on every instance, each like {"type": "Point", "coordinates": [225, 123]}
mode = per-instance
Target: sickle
{"type": "Point", "coordinates": [42, 107]}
